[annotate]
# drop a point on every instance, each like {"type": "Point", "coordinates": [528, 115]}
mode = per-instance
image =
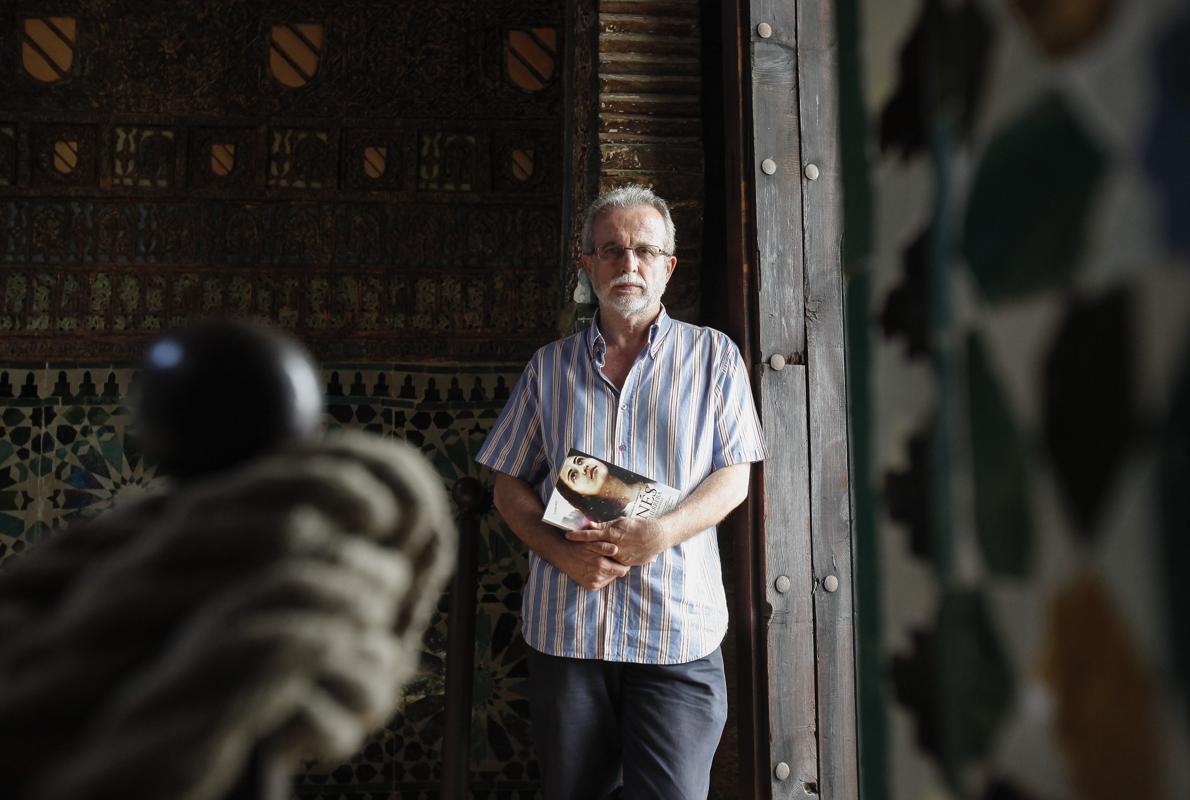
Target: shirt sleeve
{"type": "Point", "coordinates": [514, 445]}
{"type": "Point", "coordinates": [738, 436]}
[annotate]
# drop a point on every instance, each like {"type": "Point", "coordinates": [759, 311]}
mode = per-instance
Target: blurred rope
{"type": "Point", "coordinates": [145, 653]}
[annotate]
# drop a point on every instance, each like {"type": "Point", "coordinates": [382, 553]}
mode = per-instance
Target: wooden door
{"type": "Point", "coordinates": [784, 213]}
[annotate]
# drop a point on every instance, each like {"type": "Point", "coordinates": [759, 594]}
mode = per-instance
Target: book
{"type": "Point", "coordinates": [590, 489]}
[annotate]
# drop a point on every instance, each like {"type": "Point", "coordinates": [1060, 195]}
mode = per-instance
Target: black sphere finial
{"type": "Point", "coordinates": [214, 394]}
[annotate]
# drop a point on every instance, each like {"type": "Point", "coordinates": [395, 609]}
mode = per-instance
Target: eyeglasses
{"type": "Point", "coordinates": [645, 253]}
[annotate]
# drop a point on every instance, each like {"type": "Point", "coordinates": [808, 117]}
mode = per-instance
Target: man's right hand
{"type": "Point", "coordinates": [589, 564]}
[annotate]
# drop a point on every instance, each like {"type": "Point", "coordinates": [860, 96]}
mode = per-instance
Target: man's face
{"type": "Point", "coordinates": [584, 475]}
{"type": "Point", "coordinates": [623, 281]}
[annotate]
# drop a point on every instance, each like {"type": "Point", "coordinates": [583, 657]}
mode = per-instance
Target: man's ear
{"type": "Point", "coordinates": [673, 263]}
{"type": "Point", "coordinates": [586, 267]}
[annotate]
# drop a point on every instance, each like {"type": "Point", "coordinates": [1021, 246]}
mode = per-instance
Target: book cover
{"type": "Point", "coordinates": [589, 489]}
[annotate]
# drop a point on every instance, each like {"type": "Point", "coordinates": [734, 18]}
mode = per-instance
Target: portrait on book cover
{"type": "Point", "coordinates": [590, 489]}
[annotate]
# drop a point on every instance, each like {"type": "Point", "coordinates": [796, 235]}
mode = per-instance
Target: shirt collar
{"type": "Point", "coordinates": [597, 345]}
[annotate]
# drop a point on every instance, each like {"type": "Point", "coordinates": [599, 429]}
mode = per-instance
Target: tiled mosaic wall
{"type": "Point", "coordinates": [66, 451]}
{"type": "Point", "coordinates": [1020, 379]}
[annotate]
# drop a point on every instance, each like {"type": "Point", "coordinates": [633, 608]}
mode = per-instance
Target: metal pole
{"type": "Point", "coordinates": [473, 500]}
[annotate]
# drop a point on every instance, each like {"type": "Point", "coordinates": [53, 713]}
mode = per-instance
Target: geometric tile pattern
{"type": "Point", "coordinates": [957, 683]}
{"type": "Point", "coordinates": [942, 69]}
{"type": "Point", "coordinates": [1082, 408]}
{"type": "Point", "coordinates": [1026, 393]}
{"type": "Point", "coordinates": [432, 410]}
{"type": "Point", "coordinates": [1028, 218]}
{"type": "Point", "coordinates": [907, 312]}
{"type": "Point", "coordinates": [66, 451]}
{"type": "Point", "coordinates": [446, 412]}
{"type": "Point", "coordinates": [908, 494]}
{"type": "Point", "coordinates": [1000, 467]}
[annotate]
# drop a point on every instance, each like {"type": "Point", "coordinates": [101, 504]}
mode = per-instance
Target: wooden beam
{"type": "Point", "coordinates": [806, 499]}
{"type": "Point", "coordinates": [730, 302]}
{"type": "Point", "coordinates": [786, 577]}
{"type": "Point", "coordinates": [830, 509]}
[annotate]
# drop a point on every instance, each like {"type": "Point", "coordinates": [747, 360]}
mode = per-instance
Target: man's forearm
{"type": "Point", "coordinates": [521, 509]}
{"type": "Point", "coordinates": [711, 501]}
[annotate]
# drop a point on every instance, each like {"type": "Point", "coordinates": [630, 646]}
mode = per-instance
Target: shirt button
{"type": "Point", "coordinates": [623, 447]}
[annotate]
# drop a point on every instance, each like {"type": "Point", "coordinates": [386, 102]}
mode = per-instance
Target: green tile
{"type": "Point", "coordinates": [957, 684]}
{"type": "Point", "coordinates": [1002, 517]}
{"type": "Point", "coordinates": [1029, 212]}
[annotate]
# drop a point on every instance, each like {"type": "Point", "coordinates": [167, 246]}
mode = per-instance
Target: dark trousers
{"type": "Point", "coordinates": [655, 727]}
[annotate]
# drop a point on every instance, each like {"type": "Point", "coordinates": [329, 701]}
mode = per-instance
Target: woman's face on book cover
{"type": "Point", "coordinates": [584, 474]}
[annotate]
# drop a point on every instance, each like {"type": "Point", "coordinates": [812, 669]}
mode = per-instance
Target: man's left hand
{"type": "Point", "coordinates": [637, 541]}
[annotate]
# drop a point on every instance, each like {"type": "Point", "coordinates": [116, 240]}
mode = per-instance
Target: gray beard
{"type": "Point", "coordinates": [629, 305]}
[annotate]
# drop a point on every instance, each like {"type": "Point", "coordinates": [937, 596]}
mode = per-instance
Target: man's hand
{"type": "Point", "coordinates": [639, 541]}
{"type": "Point", "coordinates": [589, 564]}
{"type": "Point", "coordinates": [635, 541]}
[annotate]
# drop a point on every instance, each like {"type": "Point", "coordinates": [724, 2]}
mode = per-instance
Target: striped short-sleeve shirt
{"type": "Point", "coordinates": [684, 411]}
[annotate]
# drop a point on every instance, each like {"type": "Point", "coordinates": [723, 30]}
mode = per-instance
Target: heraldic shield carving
{"type": "Point", "coordinates": [223, 158]}
{"type": "Point", "coordinates": [375, 161]}
{"type": "Point", "coordinates": [295, 51]}
{"type": "Point", "coordinates": [531, 58]}
{"type": "Point", "coordinates": [65, 156]}
{"type": "Point", "coordinates": [47, 47]}
{"type": "Point", "coordinates": [521, 164]}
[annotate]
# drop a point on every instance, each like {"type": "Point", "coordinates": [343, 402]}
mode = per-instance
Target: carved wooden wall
{"type": "Point", "coordinates": [651, 120]}
{"type": "Point", "coordinates": [383, 178]}
{"type": "Point", "coordinates": [396, 182]}
{"type": "Point", "coordinates": [392, 181]}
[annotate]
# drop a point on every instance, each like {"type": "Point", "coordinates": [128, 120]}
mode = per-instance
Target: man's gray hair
{"type": "Point", "coordinates": [631, 196]}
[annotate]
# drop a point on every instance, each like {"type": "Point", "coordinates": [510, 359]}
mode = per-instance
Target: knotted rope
{"type": "Point", "coordinates": [145, 654]}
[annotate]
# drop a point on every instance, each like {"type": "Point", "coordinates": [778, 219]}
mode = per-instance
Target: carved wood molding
{"type": "Point", "coordinates": [650, 119]}
{"type": "Point", "coordinates": [382, 178]}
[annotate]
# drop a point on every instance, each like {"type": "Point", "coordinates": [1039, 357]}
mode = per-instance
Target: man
{"type": "Point", "coordinates": [624, 620]}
